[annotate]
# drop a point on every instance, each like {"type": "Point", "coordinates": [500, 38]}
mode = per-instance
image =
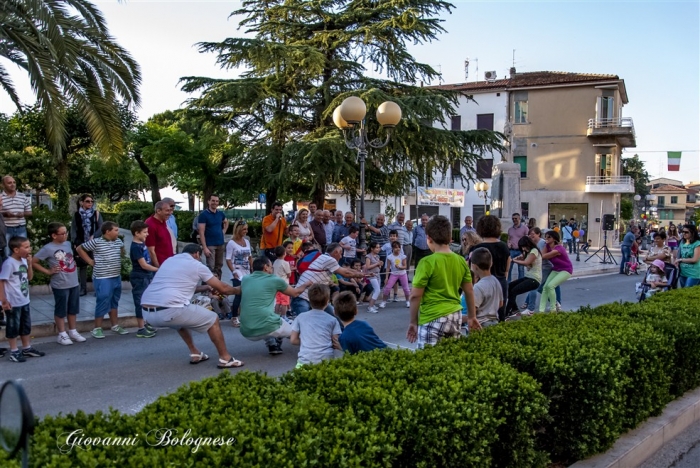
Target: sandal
{"type": "Point", "coordinates": [235, 322]}
{"type": "Point", "coordinates": [233, 362]}
{"type": "Point", "coordinates": [202, 357]}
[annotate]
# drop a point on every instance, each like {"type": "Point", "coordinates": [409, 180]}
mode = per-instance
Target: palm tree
{"type": "Point", "coordinates": [70, 58]}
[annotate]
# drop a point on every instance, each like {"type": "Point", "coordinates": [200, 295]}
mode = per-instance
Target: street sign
{"type": "Point", "coordinates": [262, 198]}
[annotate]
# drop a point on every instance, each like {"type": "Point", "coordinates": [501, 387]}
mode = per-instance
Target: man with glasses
{"type": "Point", "coordinates": [212, 228]}
{"type": "Point", "coordinates": [160, 239]}
{"type": "Point", "coordinates": [515, 233]}
{"type": "Point", "coordinates": [86, 222]}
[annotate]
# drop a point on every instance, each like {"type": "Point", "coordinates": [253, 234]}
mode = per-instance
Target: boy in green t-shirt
{"type": "Point", "coordinates": [435, 290]}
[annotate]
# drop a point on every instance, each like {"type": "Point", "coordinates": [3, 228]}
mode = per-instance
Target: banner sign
{"type": "Point", "coordinates": [440, 197]}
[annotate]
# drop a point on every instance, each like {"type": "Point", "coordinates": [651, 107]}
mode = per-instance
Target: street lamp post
{"type": "Point", "coordinates": [482, 190]}
{"type": "Point", "coordinates": [350, 118]}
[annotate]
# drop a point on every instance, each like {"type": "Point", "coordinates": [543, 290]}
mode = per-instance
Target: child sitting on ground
{"type": "Point", "coordinates": [15, 275]}
{"type": "Point", "coordinates": [357, 335]}
{"type": "Point", "coordinates": [488, 294]}
{"type": "Point", "coordinates": [316, 331]}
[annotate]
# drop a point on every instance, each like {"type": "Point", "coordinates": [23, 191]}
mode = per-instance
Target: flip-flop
{"type": "Point", "coordinates": [233, 362]}
{"type": "Point", "coordinates": [202, 357]}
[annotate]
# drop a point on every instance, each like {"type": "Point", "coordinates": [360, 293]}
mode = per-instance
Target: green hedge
{"type": "Point", "coordinates": [555, 387]}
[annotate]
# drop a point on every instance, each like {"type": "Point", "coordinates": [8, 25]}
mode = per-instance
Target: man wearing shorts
{"type": "Point", "coordinates": [166, 303]}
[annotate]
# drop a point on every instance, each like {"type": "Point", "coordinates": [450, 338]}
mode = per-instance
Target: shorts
{"type": "Point", "coordinates": [192, 317]}
{"type": "Point", "coordinates": [67, 301]}
{"type": "Point", "coordinates": [108, 291]}
{"type": "Point", "coordinates": [447, 326]}
{"type": "Point", "coordinates": [19, 322]}
{"type": "Point", "coordinates": [282, 299]}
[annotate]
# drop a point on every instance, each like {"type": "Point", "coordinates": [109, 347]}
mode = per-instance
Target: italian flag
{"type": "Point", "coordinates": [674, 160]}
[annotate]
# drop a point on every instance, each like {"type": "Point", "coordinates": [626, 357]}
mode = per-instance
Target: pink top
{"type": "Point", "coordinates": [561, 262]}
{"type": "Point", "coordinates": [515, 234]}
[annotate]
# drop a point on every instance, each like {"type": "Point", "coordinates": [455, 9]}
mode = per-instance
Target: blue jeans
{"type": "Point", "coordinates": [235, 308]}
{"type": "Point", "coordinates": [626, 255]}
{"type": "Point", "coordinates": [300, 305]}
{"type": "Point", "coordinates": [521, 269]}
{"type": "Point", "coordinates": [686, 282]}
{"type": "Point", "coordinates": [138, 286]}
{"type": "Point", "coordinates": [12, 232]}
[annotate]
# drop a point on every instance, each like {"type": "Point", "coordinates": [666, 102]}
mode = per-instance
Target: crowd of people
{"type": "Point", "coordinates": [312, 276]}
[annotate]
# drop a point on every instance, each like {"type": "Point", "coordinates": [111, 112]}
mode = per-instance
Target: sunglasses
{"type": "Point", "coordinates": [87, 201]}
{"type": "Point", "coordinates": [241, 222]}
{"type": "Point", "coordinates": [686, 232]}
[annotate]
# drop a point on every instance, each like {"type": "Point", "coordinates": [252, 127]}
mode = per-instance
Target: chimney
{"type": "Point", "coordinates": [512, 72]}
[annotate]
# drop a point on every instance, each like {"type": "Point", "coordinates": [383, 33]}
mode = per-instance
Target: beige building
{"type": "Point", "coordinates": [567, 134]}
{"type": "Point", "coordinates": [670, 205]}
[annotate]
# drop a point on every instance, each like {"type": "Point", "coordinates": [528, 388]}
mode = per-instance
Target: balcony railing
{"type": "Point", "coordinates": [621, 129]}
{"type": "Point", "coordinates": [606, 123]}
{"type": "Point", "coordinates": [609, 184]}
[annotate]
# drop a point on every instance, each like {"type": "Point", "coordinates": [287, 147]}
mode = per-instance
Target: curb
{"type": "Point", "coordinates": [637, 445]}
{"type": "Point", "coordinates": [45, 289]}
{"type": "Point", "coordinates": [44, 330]}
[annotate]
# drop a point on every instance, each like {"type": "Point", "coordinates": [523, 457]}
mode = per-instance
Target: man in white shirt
{"type": "Point", "coordinates": [166, 303]}
{"type": "Point", "coordinates": [16, 208]}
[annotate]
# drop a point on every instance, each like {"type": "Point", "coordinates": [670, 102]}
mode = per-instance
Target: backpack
{"type": "Point", "coordinates": [306, 261]}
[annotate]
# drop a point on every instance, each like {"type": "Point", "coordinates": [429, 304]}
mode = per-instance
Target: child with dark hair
{"type": "Point", "coordinates": [436, 309]}
{"type": "Point", "coordinates": [64, 282]}
{"type": "Point", "coordinates": [141, 275]}
{"type": "Point", "coordinates": [396, 263]}
{"type": "Point", "coordinates": [531, 259]}
{"type": "Point", "coordinates": [316, 331]}
{"type": "Point", "coordinates": [291, 259]}
{"type": "Point", "coordinates": [349, 245]}
{"type": "Point", "coordinates": [357, 335]}
{"type": "Point", "coordinates": [282, 269]}
{"type": "Point", "coordinates": [488, 295]}
{"type": "Point", "coordinates": [15, 275]}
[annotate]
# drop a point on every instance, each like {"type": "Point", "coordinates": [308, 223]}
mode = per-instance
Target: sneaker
{"type": "Point", "coordinates": [527, 313]}
{"type": "Point", "coordinates": [396, 299]}
{"type": "Point", "coordinates": [512, 317]}
{"type": "Point", "coordinates": [372, 310]}
{"type": "Point", "coordinates": [17, 356]}
{"type": "Point", "coordinates": [97, 333]}
{"type": "Point", "coordinates": [382, 304]}
{"type": "Point", "coordinates": [64, 340]}
{"type": "Point", "coordinates": [32, 352]}
{"type": "Point", "coordinates": [145, 333]}
{"type": "Point", "coordinates": [558, 307]}
{"type": "Point", "coordinates": [150, 327]}
{"type": "Point", "coordinates": [75, 336]}
{"type": "Point", "coordinates": [119, 330]}
{"type": "Point", "coordinates": [235, 322]}
{"type": "Point", "coordinates": [274, 350]}
{"type": "Point", "coordinates": [408, 304]}
{"type": "Point", "coordinates": [524, 306]}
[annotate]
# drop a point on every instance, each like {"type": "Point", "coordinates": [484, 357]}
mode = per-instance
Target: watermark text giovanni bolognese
{"type": "Point", "coordinates": [163, 437]}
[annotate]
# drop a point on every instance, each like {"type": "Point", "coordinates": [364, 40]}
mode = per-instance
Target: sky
{"type": "Point", "coordinates": [653, 46]}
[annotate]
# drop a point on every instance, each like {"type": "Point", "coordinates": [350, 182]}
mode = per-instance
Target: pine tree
{"type": "Point", "coordinates": [306, 57]}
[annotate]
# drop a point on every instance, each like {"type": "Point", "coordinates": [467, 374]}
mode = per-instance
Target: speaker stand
{"type": "Point", "coordinates": [607, 255]}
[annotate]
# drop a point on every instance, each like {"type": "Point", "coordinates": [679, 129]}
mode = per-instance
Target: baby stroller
{"type": "Point", "coordinates": [671, 272]}
{"type": "Point", "coordinates": [633, 266]}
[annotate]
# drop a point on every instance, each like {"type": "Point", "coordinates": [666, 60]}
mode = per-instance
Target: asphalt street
{"type": "Point", "coordinates": [126, 373]}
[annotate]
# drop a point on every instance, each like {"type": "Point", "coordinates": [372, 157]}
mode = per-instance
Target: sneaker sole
{"type": "Point", "coordinates": [98, 337]}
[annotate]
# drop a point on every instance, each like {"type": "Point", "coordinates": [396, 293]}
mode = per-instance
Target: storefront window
{"type": "Point", "coordinates": [563, 212]}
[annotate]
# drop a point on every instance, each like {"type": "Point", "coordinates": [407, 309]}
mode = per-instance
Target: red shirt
{"type": "Point", "coordinates": [159, 236]}
{"type": "Point", "coordinates": [292, 265]}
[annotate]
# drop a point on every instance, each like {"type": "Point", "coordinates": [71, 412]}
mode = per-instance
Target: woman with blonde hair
{"type": "Point", "coordinates": [469, 240]}
{"type": "Point", "coordinates": [302, 220]}
{"type": "Point", "coordinates": [239, 259]}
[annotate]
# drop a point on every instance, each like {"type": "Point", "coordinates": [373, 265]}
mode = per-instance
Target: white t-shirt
{"type": "Point", "coordinates": [175, 281]}
{"type": "Point", "coordinates": [325, 266]}
{"type": "Point", "coordinates": [17, 287]}
{"type": "Point", "coordinates": [488, 295]}
{"type": "Point", "coordinates": [394, 262]}
{"type": "Point", "coordinates": [282, 269]}
{"type": "Point", "coordinates": [534, 271]}
{"type": "Point", "coordinates": [352, 251]}
{"type": "Point", "coordinates": [239, 257]}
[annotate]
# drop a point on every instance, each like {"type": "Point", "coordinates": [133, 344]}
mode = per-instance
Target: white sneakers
{"type": "Point", "coordinates": [75, 336]}
{"type": "Point", "coordinates": [64, 340]}
{"type": "Point", "coordinates": [382, 304]}
{"type": "Point", "coordinates": [372, 310]}
{"type": "Point", "coordinates": [408, 304]}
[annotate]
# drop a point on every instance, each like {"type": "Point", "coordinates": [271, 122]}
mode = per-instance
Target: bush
{"type": "Point", "coordinates": [555, 386]}
{"type": "Point", "coordinates": [125, 218]}
{"type": "Point", "coordinates": [184, 221]}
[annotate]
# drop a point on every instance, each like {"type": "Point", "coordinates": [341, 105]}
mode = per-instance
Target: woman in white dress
{"type": "Point", "coordinates": [240, 261]}
{"type": "Point", "coordinates": [302, 220]}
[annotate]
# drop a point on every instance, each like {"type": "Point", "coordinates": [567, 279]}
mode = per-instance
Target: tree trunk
{"type": "Point", "coordinates": [63, 191]}
{"type": "Point", "coordinates": [152, 178]}
{"type": "Point", "coordinates": [190, 201]}
{"type": "Point", "coordinates": [270, 198]}
{"type": "Point", "coordinates": [319, 197]}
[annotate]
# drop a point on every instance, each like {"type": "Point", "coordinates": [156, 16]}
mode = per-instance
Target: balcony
{"type": "Point", "coordinates": [612, 131]}
{"type": "Point", "coordinates": [611, 184]}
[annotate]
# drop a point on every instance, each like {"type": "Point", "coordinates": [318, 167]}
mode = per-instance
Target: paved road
{"type": "Point", "coordinates": [681, 452]}
{"type": "Point", "coordinates": [127, 373]}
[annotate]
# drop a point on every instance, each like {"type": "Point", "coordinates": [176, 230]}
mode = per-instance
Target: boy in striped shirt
{"type": "Point", "coordinates": [106, 275]}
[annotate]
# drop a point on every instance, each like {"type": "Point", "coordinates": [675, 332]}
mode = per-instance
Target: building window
{"type": "Point", "coordinates": [524, 210]}
{"type": "Point", "coordinates": [520, 108]}
{"type": "Point", "coordinates": [456, 123]}
{"type": "Point", "coordinates": [603, 165]}
{"type": "Point", "coordinates": [674, 200]}
{"type": "Point", "coordinates": [522, 160]}
{"type": "Point", "coordinates": [484, 122]}
{"type": "Point", "coordinates": [661, 201]}
{"type": "Point", "coordinates": [456, 213]}
{"type": "Point", "coordinates": [484, 168]}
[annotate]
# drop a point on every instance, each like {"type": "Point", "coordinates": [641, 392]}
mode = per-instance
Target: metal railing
{"type": "Point", "coordinates": [609, 180]}
{"type": "Point", "coordinates": [625, 122]}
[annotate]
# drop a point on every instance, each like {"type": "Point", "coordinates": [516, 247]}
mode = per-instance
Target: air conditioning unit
{"type": "Point", "coordinates": [490, 75]}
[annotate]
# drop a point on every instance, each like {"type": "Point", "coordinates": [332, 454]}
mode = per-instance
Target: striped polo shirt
{"type": "Point", "coordinates": [108, 257]}
{"type": "Point", "coordinates": [19, 203]}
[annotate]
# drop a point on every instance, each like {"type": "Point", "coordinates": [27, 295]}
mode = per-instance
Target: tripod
{"type": "Point", "coordinates": [607, 256]}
